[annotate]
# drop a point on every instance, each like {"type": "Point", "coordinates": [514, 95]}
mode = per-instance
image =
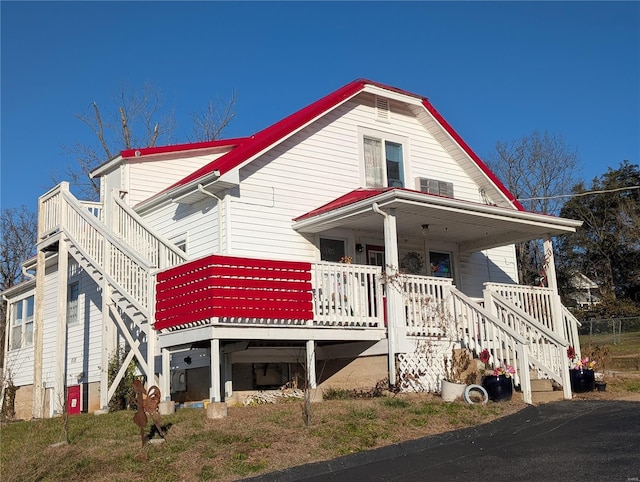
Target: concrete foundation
{"type": "Point", "coordinates": [217, 410]}
{"type": "Point", "coordinates": [166, 408]}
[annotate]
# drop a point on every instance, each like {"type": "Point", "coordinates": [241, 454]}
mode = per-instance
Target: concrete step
{"type": "Point", "coordinates": [545, 397]}
{"type": "Point", "coordinates": [541, 385]}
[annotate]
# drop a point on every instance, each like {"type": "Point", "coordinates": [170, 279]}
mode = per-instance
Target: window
{"type": "Point", "coordinates": [440, 264]}
{"type": "Point", "coordinates": [180, 242]}
{"type": "Point", "coordinates": [72, 303]}
{"type": "Point", "coordinates": [378, 173]}
{"type": "Point", "coordinates": [22, 326]}
{"type": "Point", "coordinates": [331, 249]}
{"type": "Point", "coordinates": [433, 186]}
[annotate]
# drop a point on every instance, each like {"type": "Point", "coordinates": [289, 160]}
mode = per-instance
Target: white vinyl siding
{"type": "Point", "coordinates": [497, 265]}
{"type": "Point", "coordinates": [147, 178]}
{"type": "Point", "coordinates": [197, 223]}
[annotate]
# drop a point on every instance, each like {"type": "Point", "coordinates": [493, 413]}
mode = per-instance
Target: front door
{"type": "Point", "coordinates": [375, 255]}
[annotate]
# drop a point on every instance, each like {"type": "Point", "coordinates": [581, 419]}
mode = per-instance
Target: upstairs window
{"type": "Point", "coordinates": [72, 303]}
{"type": "Point", "coordinates": [22, 325]}
{"type": "Point", "coordinates": [383, 163]}
{"type": "Point", "coordinates": [433, 186]}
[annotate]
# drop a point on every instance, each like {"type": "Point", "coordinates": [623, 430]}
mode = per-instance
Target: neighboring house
{"type": "Point", "coordinates": [217, 264]}
{"type": "Point", "coordinates": [583, 292]}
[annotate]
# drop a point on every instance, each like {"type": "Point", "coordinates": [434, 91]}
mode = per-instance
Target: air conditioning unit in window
{"type": "Point", "coordinates": [433, 186]}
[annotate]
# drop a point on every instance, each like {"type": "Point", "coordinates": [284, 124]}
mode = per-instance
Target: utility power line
{"type": "Point", "coordinates": [586, 193]}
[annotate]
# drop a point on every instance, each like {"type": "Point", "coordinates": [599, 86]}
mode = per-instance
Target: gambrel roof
{"type": "Point", "coordinates": [244, 150]}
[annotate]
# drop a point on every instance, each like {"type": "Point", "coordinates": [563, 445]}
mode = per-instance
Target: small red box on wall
{"type": "Point", "coordinates": [74, 402]}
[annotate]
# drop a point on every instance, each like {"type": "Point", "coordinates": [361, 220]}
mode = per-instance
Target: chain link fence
{"type": "Point", "coordinates": [610, 327]}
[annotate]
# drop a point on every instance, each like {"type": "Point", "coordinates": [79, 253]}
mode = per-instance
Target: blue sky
{"type": "Point", "coordinates": [495, 71]}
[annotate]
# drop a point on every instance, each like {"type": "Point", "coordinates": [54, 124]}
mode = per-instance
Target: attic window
{"type": "Point", "coordinates": [382, 108]}
{"type": "Point", "coordinates": [433, 186]}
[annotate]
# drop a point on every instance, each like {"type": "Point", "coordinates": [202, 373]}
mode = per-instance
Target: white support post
{"type": "Point", "coordinates": [38, 337]}
{"type": "Point", "coordinates": [61, 335]}
{"type": "Point", "coordinates": [214, 389]}
{"type": "Point", "coordinates": [107, 346]}
{"type": "Point", "coordinates": [552, 283]}
{"type": "Point", "coordinates": [228, 376]}
{"type": "Point", "coordinates": [151, 335]}
{"type": "Point", "coordinates": [396, 329]}
{"type": "Point", "coordinates": [311, 364]}
{"type": "Point", "coordinates": [165, 377]}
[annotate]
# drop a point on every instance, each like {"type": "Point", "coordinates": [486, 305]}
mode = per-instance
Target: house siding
{"type": "Point", "coordinates": [149, 177]}
{"type": "Point", "coordinates": [198, 221]}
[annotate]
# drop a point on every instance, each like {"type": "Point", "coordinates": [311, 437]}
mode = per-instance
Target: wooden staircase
{"type": "Point", "coordinates": [122, 261]}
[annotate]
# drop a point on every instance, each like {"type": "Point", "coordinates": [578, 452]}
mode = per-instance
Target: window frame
{"type": "Point", "coordinates": [384, 138]}
{"type": "Point", "coordinates": [73, 287]}
{"type": "Point", "coordinates": [24, 323]}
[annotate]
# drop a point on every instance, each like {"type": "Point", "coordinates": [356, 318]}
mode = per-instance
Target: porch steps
{"type": "Point", "coordinates": [543, 391]}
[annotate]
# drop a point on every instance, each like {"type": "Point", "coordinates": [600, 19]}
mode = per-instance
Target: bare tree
{"type": "Point", "coordinates": [135, 119]}
{"type": "Point", "coordinates": [19, 230]}
{"type": "Point", "coordinates": [537, 169]}
{"type": "Point", "coordinates": [209, 124]}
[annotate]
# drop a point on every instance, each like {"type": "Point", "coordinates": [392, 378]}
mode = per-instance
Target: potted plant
{"type": "Point", "coordinates": [459, 371]}
{"type": "Point", "coordinates": [581, 375]}
{"type": "Point", "coordinates": [499, 383]}
{"type": "Point", "coordinates": [601, 355]}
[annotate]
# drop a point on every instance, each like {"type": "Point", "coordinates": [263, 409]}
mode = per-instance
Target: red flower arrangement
{"type": "Point", "coordinates": [485, 356]}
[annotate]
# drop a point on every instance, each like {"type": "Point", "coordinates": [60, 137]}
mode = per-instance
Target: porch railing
{"type": "Point", "coordinates": [425, 304]}
{"type": "Point", "coordinates": [347, 295]}
{"type": "Point", "coordinates": [537, 302]}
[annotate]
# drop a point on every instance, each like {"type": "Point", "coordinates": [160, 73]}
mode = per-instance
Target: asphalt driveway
{"type": "Point", "coordinates": [575, 440]}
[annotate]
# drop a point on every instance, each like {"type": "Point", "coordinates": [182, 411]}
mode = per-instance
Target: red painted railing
{"type": "Point", "coordinates": [225, 286]}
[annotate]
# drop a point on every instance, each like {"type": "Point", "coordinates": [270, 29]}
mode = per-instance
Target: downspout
{"type": "Point", "coordinates": [391, 335]}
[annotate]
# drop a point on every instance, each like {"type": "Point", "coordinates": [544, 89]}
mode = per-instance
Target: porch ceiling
{"type": "Point", "coordinates": [472, 226]}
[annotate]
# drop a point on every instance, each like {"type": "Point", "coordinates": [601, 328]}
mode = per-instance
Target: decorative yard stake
{"type": "Point", "coordinates": [147, 403]}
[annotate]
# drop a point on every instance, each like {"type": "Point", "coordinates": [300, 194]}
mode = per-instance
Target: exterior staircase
{"type": "Point", "coordinates": [113, 246]}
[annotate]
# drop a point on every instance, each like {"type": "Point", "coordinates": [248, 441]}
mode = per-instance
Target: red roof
{"type": "Point", "coordinates": [147, 151]}
{"type": "Point", "coordinates": [251, 146]}
{"type": "Point", "coordinates": [345, 200]}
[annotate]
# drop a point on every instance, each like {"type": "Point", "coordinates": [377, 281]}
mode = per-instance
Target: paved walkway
{"type": "Point", "coordinates": [576, 440]}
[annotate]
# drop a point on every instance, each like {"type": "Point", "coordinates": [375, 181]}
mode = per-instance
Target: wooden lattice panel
{"type": "Point", "coordinates": [422, 370]}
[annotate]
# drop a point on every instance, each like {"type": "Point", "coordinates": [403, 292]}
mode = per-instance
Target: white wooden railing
{"type": "Point", "coordinates": [547, 350]}
{"type": "Point", "coordinates": [129, 227]}
{"type": "Point", "coordinates": [571, 325]}
{"type": "Point", "coordinates": [479, 330]}
{"type": "Point", "coordinates": [425, 304]}
{"type": "Point", "coordinates": [347, 295]}
{"type": "Point", "coordinates": [537, 302]}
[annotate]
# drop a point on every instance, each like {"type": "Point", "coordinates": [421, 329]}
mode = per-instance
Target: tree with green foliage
{"type": "Point", "coordinates": [607, 246]}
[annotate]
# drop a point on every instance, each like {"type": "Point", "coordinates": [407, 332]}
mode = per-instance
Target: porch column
{"type": "Point", "coordinates": [311, 364]}
{"type": "Point", "coordinates": [559, 326]}
{"type": "Point", "coordinates": [38, 336]}
{"type": "Point", "coordinates": [58, 401]}
{"type": "Point", "coordinates": [214, 389]}
{"type": "Point", "coordinates": [552, 282]}
{"type": "Point", "coordinates": [396, 331]}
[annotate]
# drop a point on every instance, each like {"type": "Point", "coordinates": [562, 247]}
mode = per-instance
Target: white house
{"type": "Point", "coordinates": [217, 264]}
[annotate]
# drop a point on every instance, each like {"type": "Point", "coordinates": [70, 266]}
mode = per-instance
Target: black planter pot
{"type": "Point", "coordinates": [582, 380]}
{"type": "Point", "coordinates": [499, 388]}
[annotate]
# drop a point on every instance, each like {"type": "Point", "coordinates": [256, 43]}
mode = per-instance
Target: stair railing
{"type": "Point", "coordinates": [547, 350]}
{"type": "Point", "coordinates": [479, 329]}
{"type": "Point", "coordinates": [130, 227]}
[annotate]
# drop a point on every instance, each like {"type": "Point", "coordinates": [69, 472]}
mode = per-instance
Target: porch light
{"type": "Point", "coordinates": [359, 248]}
{"type": "Point", "coordinates": [425, 229]}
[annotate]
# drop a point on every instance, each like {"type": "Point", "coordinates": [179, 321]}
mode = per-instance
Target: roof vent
{"type": "Point", "coordinates": [382, 108]}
